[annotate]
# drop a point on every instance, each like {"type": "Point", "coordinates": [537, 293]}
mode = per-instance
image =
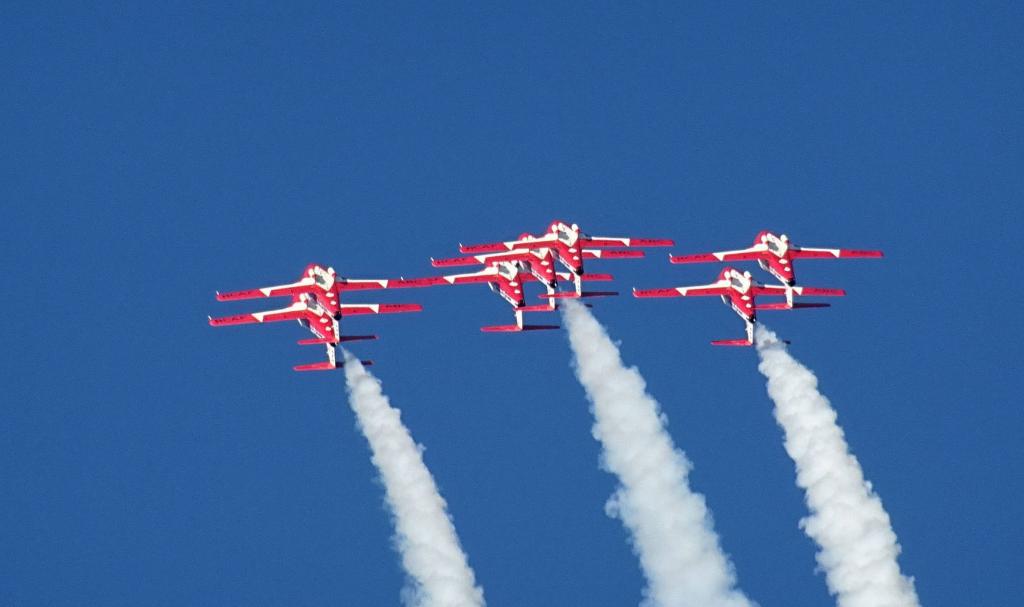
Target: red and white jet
{"type": "Point", "coordinates": [567, 242]}
{"type": "Point", "coordinates": [739, 291]}
{"type": "Point", "coordinates": [540, 263]}
{"type": "Point", "coordinates": [323, 283]}
{"type": "Point", "coordinates": [505, 276]}
{"type": "Point", "coordinates": [775, 254]}
{"type": "Point", "coordinates": [315, 306]}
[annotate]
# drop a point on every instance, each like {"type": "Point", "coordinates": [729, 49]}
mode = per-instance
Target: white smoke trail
{"type": "Point", "coordinates": [858, 546]}
{"type": "Point", "coordinates": [671, 526]}
{"type": "Point", "coordinates": [424, 533]}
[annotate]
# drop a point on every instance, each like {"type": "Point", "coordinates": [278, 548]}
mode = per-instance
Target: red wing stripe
{"type": "Point", "coordinates": [429, 281]}
{"type": "Point", "coordinates": [238, 319]}
{"type": "Point", "coordinates": [656, 293]}
{"type": "Point", "coordinates": [454, 261]}
{"type": "Point", "coordinates": [696, 258]}
{"type": "Point", "coordinates": [234, 295]}
{"type": "Point", "coordinates": [589, 254]}
{"type": "Point", "coordinates": [819, 291]}
{"type": "Point", "coordinates": [651, 242]}
{"type": "Point", "coordinates": [396, 308]}
{"type": "Point", "coordinates": [492, 247]}
{"type": "Point", "coordinates": [355, 309]}
{"type": "Point", "coordinates": [814, 253]}
{"type": "Point", "coordinates": [702, 291]}
{"type": "Point", "coordinates": [605, 241]}
{"type": "Point", "coordinates": [859, 253]}
{"type": "Point", "coordinates": [361, 285]}
{"type": "Point", "coordinates": [740, 255]}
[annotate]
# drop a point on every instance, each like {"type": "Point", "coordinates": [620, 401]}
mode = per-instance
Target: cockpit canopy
{"type": "Point", "coordinates": [738, 281]}
{"type": "Point", "coordinates": [323, 278]}
{"type": "Point", "coordinates": [314, 305]}
{"type": "Point", "coordinates": [776, 244]}
{"type": "Point", "coordinates": [508, 269]}
{"type": "Point", "coordinates": [566, 234]}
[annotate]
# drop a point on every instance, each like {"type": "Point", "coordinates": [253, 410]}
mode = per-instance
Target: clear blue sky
{"type": "Point", "coordinates": [150, 156]}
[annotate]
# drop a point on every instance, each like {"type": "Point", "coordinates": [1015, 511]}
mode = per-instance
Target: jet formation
{"type": "Point", "coordinates": [507, 266]}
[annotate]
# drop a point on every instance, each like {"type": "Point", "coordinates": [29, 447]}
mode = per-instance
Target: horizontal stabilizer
{"type": "Point", "coordinates": [326, 366]}
{"type": "Point", "coordinates": [784, 306]}
{"type": "Point", "coordinates": [314, 341]}
{"type": "Point", "coordinates": [321, 366]}
{"type": "Point", "coordinates": [574, 295]}
{"type": "Point", "coordinates": [356, 337]}
{"type": "Point", "coordinates": [517, 328]}
{"type": "Point", "coordinates": [597, 277]}
{"type": "Point", "coordinates": [537, 308]}
{"type": "Point", "coordinates": [731, 342]}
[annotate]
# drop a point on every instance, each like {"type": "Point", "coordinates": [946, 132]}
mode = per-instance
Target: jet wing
{"type": "Point", "coordinates": [293, 312]}
{"type": "Point", "coordinates": [458, 261]}
{"type": "Point", "coordinates": [512, 255]}
{"type": "Point", "coordinates": [612, 241]}
{"type": "Point", "coordinates": [508, 245]}
{"type": "Point", "coordinates": [811, 253]}
{"type": "Point", "coordinates": [354, 284]}
{"type": "Point", "coordinates": [428, 281]}
{"type": "Point", "coordinates": [600, 254]}
{"type": "Point", "coordinates": [302, 286]}
{"type": "Point", "coordinates": [491, 247]}
{"type": "Point", "coordinates": [782, 290]}
{"type": "Point", "coordinates": [486, 275]}
{"type": "Point", "coordinates": [718, 288]}
{"type": "Point", "coordinates": [566, 276]}
{"type": "Point", "coordinates": [753, 253]}
{"type": "Point", "coordinates": [355, 309]}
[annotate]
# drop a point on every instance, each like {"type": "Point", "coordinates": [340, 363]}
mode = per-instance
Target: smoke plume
{"type": "Point", "coordinates": [671, 527]}
{"type": "Point", "coordinates": [858, 547]}
{"type": "Point", "coordinates": [424, 534]}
